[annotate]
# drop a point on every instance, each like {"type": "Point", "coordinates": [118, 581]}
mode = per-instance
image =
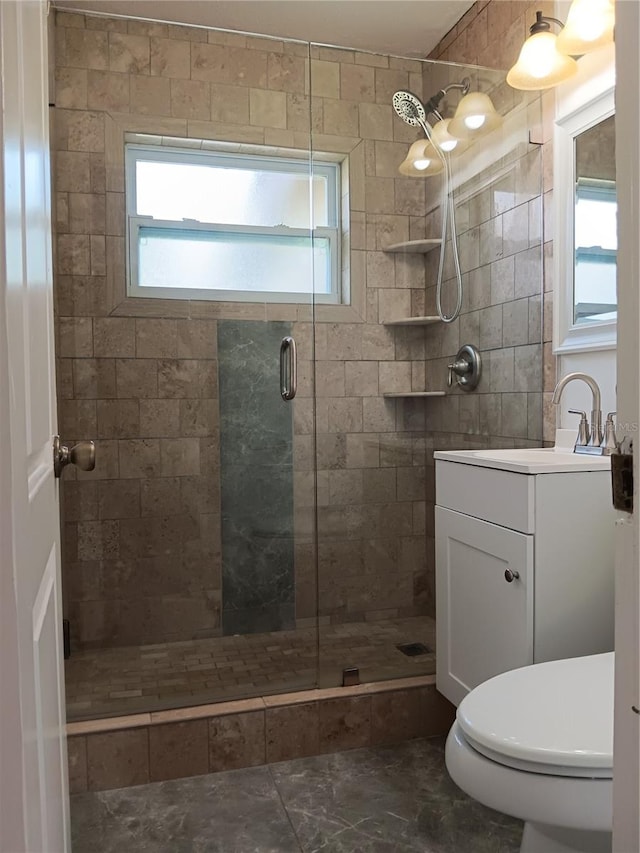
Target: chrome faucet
{"type": "Point", "coordinates": [595, 436]}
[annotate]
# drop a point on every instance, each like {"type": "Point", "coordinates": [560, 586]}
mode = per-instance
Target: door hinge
{"type": "Point", "coordinates": [622, 476]}
{"type": "Point", "coordinates": [66, 638]}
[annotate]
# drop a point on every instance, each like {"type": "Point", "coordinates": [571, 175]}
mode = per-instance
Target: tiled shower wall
{"type": "Point", "coordinates": [143, 537]}
{"type": "Point", "coordinates": [142, 545]}
{"type": "Point", "coordinates": [499, 224]}
{"type": "Point", "coordinates": [491, 34]}
{"type": "Point", "coordinates": [501, 214]}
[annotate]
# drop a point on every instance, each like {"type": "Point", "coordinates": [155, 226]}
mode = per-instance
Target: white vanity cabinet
{"type": "Point", "coordinates": [552, 533]}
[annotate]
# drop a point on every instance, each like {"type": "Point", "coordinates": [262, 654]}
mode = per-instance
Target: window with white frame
{"type": "Point", "coordinates": [234, 227]}
{"type": "Point", "coordinates": [596, 249]}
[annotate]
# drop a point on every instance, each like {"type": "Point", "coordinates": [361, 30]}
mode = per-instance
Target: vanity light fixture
{"type": "Point", "coordinates": [421, 161]}
{"type": "Point", "coordinates": [445, 140]}
{"type": "Point", "coordinates": [474, 116]}
{"type": "Point", "coordinates": [589, 26]}
{"type": "Point", "coordinates": [547, 59]}
{"type": "Point", "coordinates": [540, 64]}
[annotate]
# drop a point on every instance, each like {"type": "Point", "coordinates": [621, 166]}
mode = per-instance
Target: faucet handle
{"type": "Point", "coordinates": [610, 441]}
{"type": "Point", "coordinates": [460, 367]}
{"type": "Point", "coordinates": [583, 428]}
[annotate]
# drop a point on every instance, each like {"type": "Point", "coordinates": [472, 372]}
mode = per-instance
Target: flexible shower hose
{"type": "Point", "coordinates": [448, 220]}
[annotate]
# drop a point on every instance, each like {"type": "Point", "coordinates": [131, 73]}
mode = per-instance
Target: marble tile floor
{"type": "Point", "coordinates": [393, 799]}
{"type": "Point", "coordinates": [128, 680]}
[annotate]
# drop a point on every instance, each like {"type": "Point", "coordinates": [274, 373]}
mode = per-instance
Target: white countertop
{"type": "Point", "coordinates": [531, 460]}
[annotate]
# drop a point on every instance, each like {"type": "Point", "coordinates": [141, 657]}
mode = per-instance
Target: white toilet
{"type": "Point", "coordinates": [537, 743]}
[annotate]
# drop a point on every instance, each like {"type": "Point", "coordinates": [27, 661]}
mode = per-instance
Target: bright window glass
{"type": "Point", "coordinates": [596, 244]}
{"type": "Point", "coordinates": [207, 225]}
{"type": "Point", "coordinates": [257, 263]}
{"type": "Point", "coordinates": [229, 194]}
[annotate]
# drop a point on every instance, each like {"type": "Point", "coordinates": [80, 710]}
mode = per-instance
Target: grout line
{"type": "Point", "coordinates": [286, 810]}
{"type": "Point", "coordinates": [86, 765]}
{"type": "Point", "coordinates": [149, 751]}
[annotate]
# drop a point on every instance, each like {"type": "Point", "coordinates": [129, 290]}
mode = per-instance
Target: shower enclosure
{"type": "Point", "coordinates": [245, 301]}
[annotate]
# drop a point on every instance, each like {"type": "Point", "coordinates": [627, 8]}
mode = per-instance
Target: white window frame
{"type": "Point", "coordinates": [580, 105]}
{"type": "Point", "coordinates": [135, 152]}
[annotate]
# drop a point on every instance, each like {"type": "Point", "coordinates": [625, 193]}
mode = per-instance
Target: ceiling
{"type": "Point", "coordinates": [404, 27]}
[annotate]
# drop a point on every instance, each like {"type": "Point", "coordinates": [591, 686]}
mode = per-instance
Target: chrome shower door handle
{"type": "Point", "coordinates": [288, 368]}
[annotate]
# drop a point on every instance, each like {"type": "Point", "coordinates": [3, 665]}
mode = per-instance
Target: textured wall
{"type": "Point", "coordinates": [491, 34]}
{"type": "Point", "coordinates": [142, 549]}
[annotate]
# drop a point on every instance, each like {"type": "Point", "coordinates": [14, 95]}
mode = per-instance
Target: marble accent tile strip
{"type": "Point", "coordinates": [256, 480]}
{"type": "Point", "coordinates": [127, 721]}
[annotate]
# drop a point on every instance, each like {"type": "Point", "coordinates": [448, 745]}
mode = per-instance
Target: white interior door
{"type": "Point", "coordinates": [626, 746]}
{"type": "Point", "coordinates": [32, 645]}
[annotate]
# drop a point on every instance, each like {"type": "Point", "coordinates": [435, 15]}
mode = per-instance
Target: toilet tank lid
{"type": "Point", "coordinates": [556, 713]}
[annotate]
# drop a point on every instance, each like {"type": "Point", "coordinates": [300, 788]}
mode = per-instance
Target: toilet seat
{"type": "Point", "coordinates": [579, 803]}
{"type": "Point", "coordinates": [553, 718]}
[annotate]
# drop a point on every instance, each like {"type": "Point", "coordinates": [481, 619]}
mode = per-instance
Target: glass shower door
{"type": "Point", "coordinates": [189, 563]}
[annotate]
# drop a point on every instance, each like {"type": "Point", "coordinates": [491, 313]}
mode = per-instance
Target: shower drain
{"type": "Point", "coordinates": [414, 649]}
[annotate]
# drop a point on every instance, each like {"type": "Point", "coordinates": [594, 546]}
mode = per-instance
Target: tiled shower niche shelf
{"type": "Point", "coordinates": [418, 247]}
{"type": "Point", "coordinates": [412, 321]}
{"type": "Point", "coordinates": [393, 394]}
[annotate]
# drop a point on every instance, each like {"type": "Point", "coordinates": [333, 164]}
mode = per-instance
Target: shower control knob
{"type": "Point", "coordinates": [460, 367]}
{"type": "Point", "coordinates": [466, 367]}
{"type": "Point", "coordinates": [511, 576]}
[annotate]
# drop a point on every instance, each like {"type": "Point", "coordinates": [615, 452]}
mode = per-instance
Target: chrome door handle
{"type": "Point", "coordinates": [511, 576]}
{"type": "Point", "coordinates": [82, 454]}
{"type": "Point", "coordinates": [288, 368]}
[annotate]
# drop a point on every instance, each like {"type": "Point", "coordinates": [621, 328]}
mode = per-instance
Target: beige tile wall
{"type": "Point", "coordinates": [491, 34]}
{"type": "Point", "coordinates": [142, 545]}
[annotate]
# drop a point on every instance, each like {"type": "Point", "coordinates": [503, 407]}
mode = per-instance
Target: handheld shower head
{"type": "Point", "coordinates": [410, 109]}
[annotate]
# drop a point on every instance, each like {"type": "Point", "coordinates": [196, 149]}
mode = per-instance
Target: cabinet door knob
{"type": "Point", "coordinates": [510, 576]}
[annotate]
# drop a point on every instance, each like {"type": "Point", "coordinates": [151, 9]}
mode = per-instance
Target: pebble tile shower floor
{"type": "Point", "coordinates": [126, 680]}
{"type": "Point", "coordinates": [394, 799]}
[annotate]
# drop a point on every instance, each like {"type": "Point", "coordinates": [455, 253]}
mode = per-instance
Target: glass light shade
{"type": "Point", "coordinates": [474, 116]}
{"type": "Point", "coordinates": [445, 140]}
{"type": "Point", "coordinates": [589, 26]}
{"type": "Point", "coordinates": [540, 64]}
{"type": "Point", "coordinates": [421, 161]}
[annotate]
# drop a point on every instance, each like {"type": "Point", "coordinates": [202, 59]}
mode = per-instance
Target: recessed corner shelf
{"type": "Point", "coordinates": [415, 246]}
{"type": "Point", "coordinates": [412, 321]}
{"type": "Point", "coordinates": [415, 394]}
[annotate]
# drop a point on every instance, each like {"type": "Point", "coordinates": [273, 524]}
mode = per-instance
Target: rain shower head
{"type": "Point", "coordinates": [410, 109]}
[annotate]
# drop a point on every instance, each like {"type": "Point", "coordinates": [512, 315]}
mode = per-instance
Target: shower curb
{"type": "Point", "coordinates": [131, 750]}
